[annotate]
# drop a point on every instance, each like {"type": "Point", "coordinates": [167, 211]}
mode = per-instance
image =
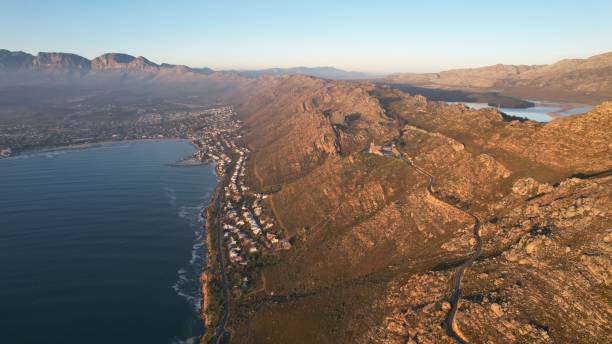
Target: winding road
{"type": "Point", "coordinates": [223, 336]}
{"type": "Point", "coordinates": [451, 326]}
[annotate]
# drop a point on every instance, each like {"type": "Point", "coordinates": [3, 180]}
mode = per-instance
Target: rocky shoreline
{"type": "Point", "coordinates": [241, 231]}
{"type": "Point", "coordinates": [210, 266]}
{"type": "Point", "coordinates": [204, 278]}
{"type": "Point", "coordinates": [209, 271]}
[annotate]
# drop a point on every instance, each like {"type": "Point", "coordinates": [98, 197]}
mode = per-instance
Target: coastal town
{"type": "Point", "coordinates": [240, 227]}
{"type": "Point", "coordinates": [142, 124]}
{"type": "Point", "coordinates": [244, 230]}
{"type": "Point", "coordinates": [248, 230]}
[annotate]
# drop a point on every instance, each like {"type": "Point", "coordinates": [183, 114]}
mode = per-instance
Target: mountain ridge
{"type": "Point", "coordinates": [325, 72]}
{"type": "Point", "coordinates": [579, 80]}
{"type": "Point", "coordinates": [72, 64]}
{"type": "Point", "coordinates": [68, 63]}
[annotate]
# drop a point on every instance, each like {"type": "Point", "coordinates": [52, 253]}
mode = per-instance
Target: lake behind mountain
{"type": "Point", "coordinates": [541, 112]}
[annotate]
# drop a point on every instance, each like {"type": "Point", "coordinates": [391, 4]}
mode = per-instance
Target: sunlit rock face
{"type": "Point", "coordinates": [375, 249]}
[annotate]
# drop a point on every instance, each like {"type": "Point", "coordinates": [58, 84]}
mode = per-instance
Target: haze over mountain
{"type": "Point", "coordinates": [578, 80]}
{"type": "Point", "coordinates": [66, 64]}
{"type": "Point", "coordinates": [382, 196]}
{"type": "Point", "coordinates": [586, 80]}
{"type": "Point", "coordinates": [140, 67]}
{"type": "Point", "coordinates": [385, 172]}
{"type": "Point", "coordinates": [320, 72]}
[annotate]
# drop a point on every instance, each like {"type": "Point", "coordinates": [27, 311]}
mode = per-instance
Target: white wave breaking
{"type": "Point", "coordinates": [192, 340]}
{"type": "Point", "coordinates": [171, 194]}
{"type": "Point", "coordinates": [188, 283]}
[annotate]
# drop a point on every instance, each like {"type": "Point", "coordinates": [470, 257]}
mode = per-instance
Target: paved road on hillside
{"type": "Point", "coordinates": [451, 326]}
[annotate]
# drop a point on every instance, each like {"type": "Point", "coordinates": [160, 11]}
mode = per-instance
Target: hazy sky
{"type": "Point", "coordinates": [375, 36]}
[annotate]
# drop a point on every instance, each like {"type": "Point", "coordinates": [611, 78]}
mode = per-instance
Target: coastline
{"type": "Point", "coordinates": [214, 309]}
{"type": "Point", "coordinates": [156, 257]}
{"type": "Point", "coordinates": [208, 275]}
{"type": "Point", "coordinates": [208, 269]}
{"type": "Point", "coordinates": [204, 275]}
{"type": "Point", "coordinates": [209, 146]}
{"type": "Point", "coordinates": [210, 266]}
{"type": "Point", "coordinates": [80, 146]}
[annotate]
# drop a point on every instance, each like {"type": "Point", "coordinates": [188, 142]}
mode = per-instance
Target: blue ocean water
{"type": "Point", "coordinates": [102, 244]}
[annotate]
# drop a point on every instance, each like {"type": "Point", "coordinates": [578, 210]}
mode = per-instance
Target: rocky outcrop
{"type": "Point", "coordinates": [298, 121]}
{"type": "Point", "coordinates": [61, 62]}
{"type": "Point", "coordinates": [556, 144]}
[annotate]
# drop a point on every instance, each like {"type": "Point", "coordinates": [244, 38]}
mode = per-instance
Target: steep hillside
{"type": "Point", "coordinates": [376, 239]}
{"type": "Point", "coordinates": [296, 122]}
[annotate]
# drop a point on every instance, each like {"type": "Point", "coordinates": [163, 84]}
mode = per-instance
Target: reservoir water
{"type": "Point", "coordinates": [541, 112]}
{"type": "Point", "coordinates": [102, 244]}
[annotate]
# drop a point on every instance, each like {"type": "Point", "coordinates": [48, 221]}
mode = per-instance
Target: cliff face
{"type": "Point", "coordinates": [61, 62]}
{"type": "Point", "coordinates": [375, 250]}
{"type": "Point", "coordinates": [43, 62]}
{"type": "Point", "coordinates": [14, 60]}
{"type": "Point", "coordinates": [112, 61]}
{"type": "Point", "coordinates": [112, 64]}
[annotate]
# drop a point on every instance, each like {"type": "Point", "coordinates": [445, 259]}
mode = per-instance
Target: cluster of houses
{"type": "Point", "coordinates": [248, 231]}
{"type": "Point", "coordinates": [216, 138]}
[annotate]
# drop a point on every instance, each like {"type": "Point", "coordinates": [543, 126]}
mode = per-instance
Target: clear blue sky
{"type": "Point", "coordinates": [377, 36]}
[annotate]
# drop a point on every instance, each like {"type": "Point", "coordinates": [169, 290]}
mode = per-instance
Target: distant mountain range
{"type": "Point", "coordinates": [319, 72]}
{"type": "Point", "coordinates": [123, 64]}
{"type": "Point", "coordinates": [581, 80]}
{"type": "Point", "coordinates": [574, 80]}
{"type": "Point", "coordinates": [75, 65]}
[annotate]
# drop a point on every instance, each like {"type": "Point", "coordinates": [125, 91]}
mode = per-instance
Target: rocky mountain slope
{"type": "Point", "coordinates": [580, 80]}
{"type": "Point", "coordinates": [376, 241]}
